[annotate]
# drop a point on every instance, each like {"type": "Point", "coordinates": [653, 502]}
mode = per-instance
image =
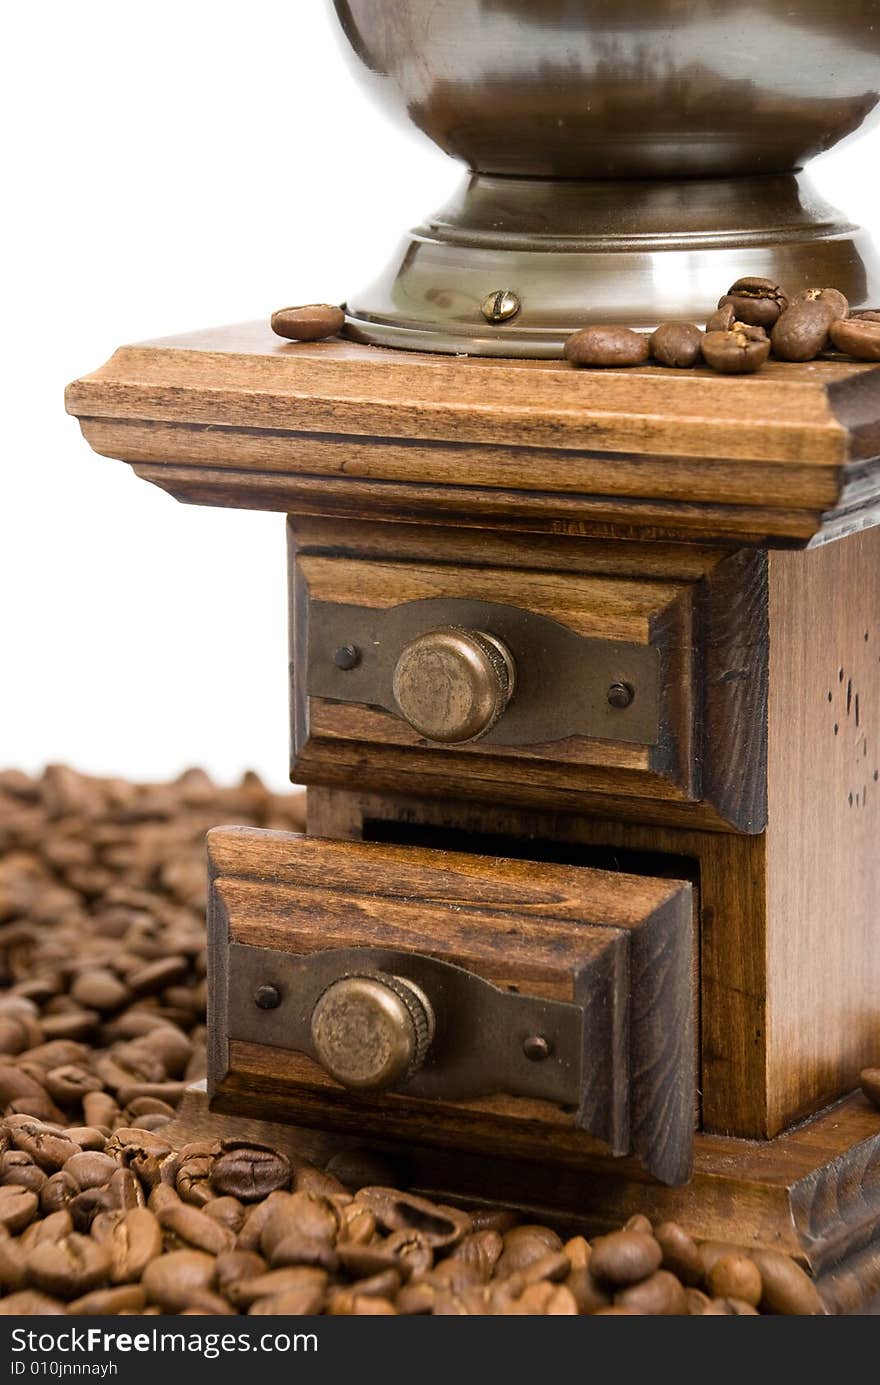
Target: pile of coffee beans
{"type": "Point", "coordinates": [754, 320]}
{"type": "Point", "coordinates": [102, 966]}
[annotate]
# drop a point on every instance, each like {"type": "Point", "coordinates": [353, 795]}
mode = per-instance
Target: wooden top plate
{"type": "Point", "coordinates": [235, 416]}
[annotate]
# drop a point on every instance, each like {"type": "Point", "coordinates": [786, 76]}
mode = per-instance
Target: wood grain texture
{"type": "Point", "coordinates": [620, 946]}
{"type": "Point", "coordinates": [823, 863]}
{"type": "Point", "coordinates": [742, 1193]}
{"type": "Point", "coordinates": [235, 416]}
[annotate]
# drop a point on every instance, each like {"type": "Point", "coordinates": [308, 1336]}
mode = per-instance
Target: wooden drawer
{"type": "Point", "coordinates": [616, 690]}
{"type": "Point", "coordinates": [543, 1011]}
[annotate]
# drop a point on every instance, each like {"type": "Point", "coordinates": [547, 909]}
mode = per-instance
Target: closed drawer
{"type": "Point", "coordinates": [536, 687]}
{"type": "Point", "coordinates": [494, 1005]}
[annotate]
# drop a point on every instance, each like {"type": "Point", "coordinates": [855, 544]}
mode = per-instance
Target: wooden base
{"type": "Point", "coordinates": [813, 1193]}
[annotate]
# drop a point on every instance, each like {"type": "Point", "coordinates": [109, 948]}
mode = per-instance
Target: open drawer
{"type": "Point", "coordinates": [495, 1005]}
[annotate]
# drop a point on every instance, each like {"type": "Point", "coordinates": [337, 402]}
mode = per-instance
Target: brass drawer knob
{"type": "Point", "coordinates": [372, 1032]}
{"type": "Point", "coordinates": [452, 685]}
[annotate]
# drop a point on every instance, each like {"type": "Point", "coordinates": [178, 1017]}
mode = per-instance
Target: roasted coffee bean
{"type": "Point", "coordinates": [87, 1205]}
{"type": "Point", "coordinates": [101, 1303]}
{"type": "Point", "coordinates": [697, 1302]}
{"type": "Point", "coordinates": [13, 1271]}
{"type": "Point", "coordinates": [677, 344]}
{"type": "Point", "coordinates": [70, 1083]}
{"type": "Point", "coordinates": [639, 1223]}
{"type": "Point", "coordinates": [29, 1303]}
{"type": "Point", "coordinates": [302, 1280]}
{"type": "Point", "coordinates": [135, 1241]}
{"type": "Point", "coordinates": [249, 1172]}
{"type": "Point", "coordinates": [741, 351]}
{"type": "Point", "coordinates": [235, 1265]}
{"type": "Point", "coordinates": [802, 331]}
{"type": "Point", "coordinates": [680, 1253]}
{"type": "Point", "coordinates": [19, 1170]}
{"type": "Point", "coordinates": [307, 1179]}
{"type": "Point", "coordinates": [756, 302]}
{"type": "Point", "coordinates": [91, 1169]}
{"type": "Point", "coordinates": [191, 1227]}
{"type": "Point", "coordinates": [858, 337]}
{"type": "Point", "coordinates": [483, 1250]}
{"type": "Point", "coordinates": [257, 1218]}
{"type": "Point", "coordinates": [228, 1211]}
{"type": "Point", "coordinates": [723, 319]}
{"type": "Point", "coordinates": [785, 1287]}
{"type": "Point", "coordinates": [57, 1192]}
{"type": "Point", "coordinates": [832, 299]}
{"type": "Point", "coordinates": [396, 1211]}
{"type": "Point", "coordinates": [589, 1294]}
{"type": "Point", "coordinates": [100, 989]}
{"type": "Point", "coordinates": [87, 1137]}
{"type": "Point", "coordinates": [625, 1257]}
{"type": "Point", "coordinates": [358, 1225]}
{"type": "Point", "coordinates": [363, 1261]}
{"type": "Point", "coordinates": [304, 1216]}
{"type": "Point", "coordinates": [69, 1267]}
{"type": "Point", "coordinates": [127, 1190]}
{"type": "Point", "coordinates": [735, 1276]}
{"type": "Point", "coordinates": [412, 1251]}
{"type": "Point", "coordinates": [607, 346]}
{"type": "Point", "coordinates": [661, 1294]}
{"type": "Point", "coordinates": [192, 1170]}
{"type": "Point", "coordinates": [578, 1250]}
{"type": "Point", "coordinates": [18, 1207]}
{"type": "Point", "coordinates": [174, 1280]}
{"type": "Point", "coordinates": [313, 322]}
{"type": "Point", "coordinates": [52, 1228]}
{"type": "Point", "coordinates": [729, 1308]}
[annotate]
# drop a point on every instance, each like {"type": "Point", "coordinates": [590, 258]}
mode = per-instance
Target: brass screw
{"type": "Point", "coordinates": [621, 695]}
{"type": "Point", "coordinates": [501, 306]}
{"type": "Point", "coordinates": [536, 1048]}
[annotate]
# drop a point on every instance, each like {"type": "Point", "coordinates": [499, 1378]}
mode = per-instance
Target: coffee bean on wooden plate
{"type": "Point", "coordinates": [756, 302]}
{"type": "Point", "coordinates": [801, 332]}
{"type": "Point", "coordinates": [677, 344]}
{"type": "Point", "coordinates": [836, 303]}
{"type": "Point", "coordinates": [858, 337]}
{"type": "Point", "coordinates": [723, 319]}
{"type": "Point", "coordinates": [738, 352]}
{"type": "Point", "coordinates": [311, 322]}
{"type": "Point", "coordinates": [607, 346]}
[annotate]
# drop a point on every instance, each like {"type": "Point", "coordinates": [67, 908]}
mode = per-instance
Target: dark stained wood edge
{"type": "Point", "coordinates": [735, 679]}
{"type": "Point", "coordinates": [218, 983]}
{"type": "Point", "coordinates": [662, 1043]}
{"type": "Point", "coordinates": [537, 511]}
{"type": "Point", "coordinates": [855, 403]}
{"type": "Point", "coordinates": [673, 634]}
{"type": "Point", "coordinates": [603, 990]}
{"type": "Point", "coordinates": [836, 1207]}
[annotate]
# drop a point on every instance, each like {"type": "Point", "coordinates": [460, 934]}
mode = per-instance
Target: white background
{"type": "Point", "coordinates": [168, 166]}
